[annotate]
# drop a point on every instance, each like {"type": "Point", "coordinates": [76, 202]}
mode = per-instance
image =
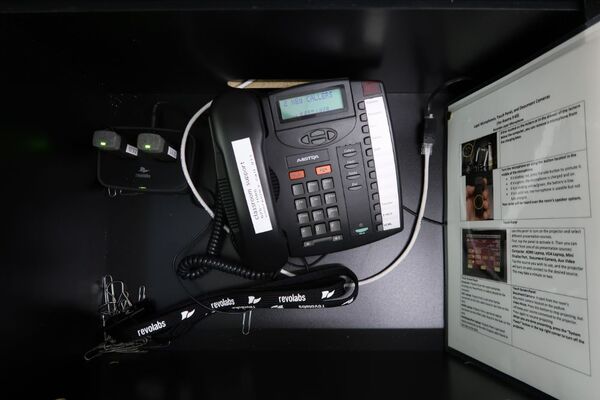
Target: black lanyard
{"type": "Point", "coordinates": [328, 286]}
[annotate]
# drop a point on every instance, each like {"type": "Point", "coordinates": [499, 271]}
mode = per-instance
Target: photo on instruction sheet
{"type": "Point", "coordinates": [484, 254]}
{"type": "Point", "coordinates": [479, 159]}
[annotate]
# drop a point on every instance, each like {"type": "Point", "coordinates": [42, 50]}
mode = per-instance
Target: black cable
{"type": "Point", "coordinates": [431, 221]}
{"type": "Point", "coordinates": [196, 265]}
{"type": "Point", "coordinates": [442, 87]}
{"type": "Point", "coordinates": [305, 263]}
{"type": "Point", "coordinates": [175, 261]}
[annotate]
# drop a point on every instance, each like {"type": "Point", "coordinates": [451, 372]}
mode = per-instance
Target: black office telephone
{"type": "Point", "coordinates": [306, 170]}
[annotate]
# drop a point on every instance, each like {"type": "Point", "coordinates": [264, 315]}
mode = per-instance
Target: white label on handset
{"type": "Point", "coordinates": [385, 162]}
{"type": "Point", "coordinates": [172, 152]}
{"type": "Point", "coordinates": [131, 150]}
{"type": "Point", "coordinates": [253, 191]}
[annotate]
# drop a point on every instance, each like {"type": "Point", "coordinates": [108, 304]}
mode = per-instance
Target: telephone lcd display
{"type": "Point", "coordinates": [311, 103]}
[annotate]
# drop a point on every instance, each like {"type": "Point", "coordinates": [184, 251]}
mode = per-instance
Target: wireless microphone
{"type": "Point", "coordinates": [111, 141]}
{"type": "Point", "coordinates": [157, 146]}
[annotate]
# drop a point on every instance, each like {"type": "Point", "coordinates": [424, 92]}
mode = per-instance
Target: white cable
{"type": "Point", "coordinates": [426, 151]}
{"type": "Point", "coordinates": [184, 138]}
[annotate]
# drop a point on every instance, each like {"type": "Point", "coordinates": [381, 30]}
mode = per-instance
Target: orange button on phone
{"type": "Point", "coordinates": [323, 169]}
{"type": "Point", "coordinates": [298, 174]}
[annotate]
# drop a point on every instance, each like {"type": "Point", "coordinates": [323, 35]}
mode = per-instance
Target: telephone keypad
{"type": "Point", "coordinates": [318, 215]}
{"type": "Point", "coordinates": [312, 186]}
{"type": "Point", "coordinates": [316, 221]}
{"type": "Point", "coordinates": [306, 231]}
{"type": "Point", "coordinates": [303, 218]}
{"type": "Point", "coordinates": [315, 201]}
{"type": "Point", "coordinates": [335, 226]}
{"type": "Point", "coordinates": [320, 229]}
{"type": "Point", "coordinates": [327, 183]}
{"type": "Point", "coordinates": [298, 189]}
{"type": "Point", "coordinates": [330, 198]}
{"type": "Point", "coordinates": [333, 212]}
{"type": "Point", "coordinates": [300, 204]}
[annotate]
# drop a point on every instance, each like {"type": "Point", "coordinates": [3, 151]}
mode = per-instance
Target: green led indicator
{"type": "Point", "coordinates": [361, 231]}
{"type": "Point", "coordinates": [102, 143]}
{"type": "Point", "coordinates": [142, 188]}
{"type": "Point", "coordinates": [147, 146]}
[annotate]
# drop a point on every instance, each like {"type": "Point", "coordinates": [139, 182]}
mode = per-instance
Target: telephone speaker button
{"type": "Point", "coordinates": [367, 141]}
{"type": "Point", "coordinates": [305, 232]}
{"type": "Point", "coordinates": [298, 174]}
{"type": "Point", "coordinates": [333, 212]}
{"type": "Point", "coordinates": [303, 218]}
{"type": "Point", "coordinates": [305, 139]}
{"type": "Point", "coordinates": [361, 231]}
{"type": "Point", "coordinates": [300, 204]}
{"type": "Point", "coordinates": [327, 183]}
{"type": "Point", "coordinates": [335, 226]}
{"type": "Point", "coordinates": [363, 117]}
{"type": "Point", "coordinates": [298, 189]}
{"type": "Point", "coordinates": [361, 105]}
{"type": "Point", "coordinates": [351, 165]}
{"type": "Point", "coordinates": [369, 152]}
{"type": "Point", "coordinates": [312, 186]}
{"type": "Point", "coordinates": [318, 215]}
{"type": "Point", "coordinates": [317, 133]}
{"type": "Point", "coordinates": [329, 198]}
{"type": "Point", "coordinates": [320, 229]}
{"type": "Point", "coordinates": [365, 129]}
{"type": "Point", "coordinates": [323, 169]}
{"type": "Point", "coordinates": [355, 187]}
{"type": "Point", "coordinates": [315, 201]}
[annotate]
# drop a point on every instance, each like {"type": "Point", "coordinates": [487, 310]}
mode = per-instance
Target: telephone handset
{"type": "Point", "coordinates": [306, 170]}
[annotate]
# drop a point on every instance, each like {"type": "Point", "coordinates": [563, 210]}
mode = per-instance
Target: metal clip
{"type": "Point", "coordinates": [246, 322]}
{"type": "Point", "coordinates": [112, 192]}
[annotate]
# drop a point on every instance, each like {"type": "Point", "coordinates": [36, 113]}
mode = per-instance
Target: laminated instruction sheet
{"type": "Point", "coordinates": [523, 235]}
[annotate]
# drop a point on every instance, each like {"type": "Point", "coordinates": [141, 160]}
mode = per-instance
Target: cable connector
{"type": "Point", "coordinates": [429, 129]}
{"type": "Point", "coordinates": [426, 148]}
